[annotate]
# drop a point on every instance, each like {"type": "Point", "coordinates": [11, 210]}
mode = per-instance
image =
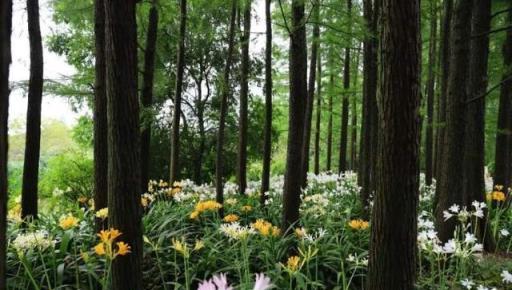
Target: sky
{"type": "Point", "coordinates": [56, 67]}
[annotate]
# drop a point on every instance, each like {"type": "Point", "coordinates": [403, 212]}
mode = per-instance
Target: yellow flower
{"type": "Point", "coordinates": [207, 205]}
{"type": "Point", "coordinates": [231, 218]}
{"type": "Point", "coordinates": [194, 215]}
{"type": "Point", "coordinates": [358, 224]}
{"type": "Point", "coordinates": [99, 249]}
{"type": "Point", "coordinates": [14, 213]}
{"type": "Point", "coordinates": [231, 201]}
{"type": "Point", "coordinates": [498, 196]}
{"type": "Point", "coordinates": [107, 236]}
{"type": "Point", "coordinates": [199, 245]}
{"type": "Point", "coordinates": [293, 263]}
{"type": "Point", "coordinates": [163, 183]}
{"type": "Point", "coordinates": [177, 184]}
{"type": "Point", "coordinates": [300, 232]}
{"type": "Point", "coordinates": [144, 201]}
{"type": "Point", "coordinates": [68, 222]}
{"type": "Point", "coordinates": [102, 213]}
{"type": "Point", "coordinates": [498, 187]}
{"type": "Point", "coordinates": [180, 247]}
{"type": "Point", "coordinates": [265, 228]}
{"type": "Point", "coordinates": [123, 248]}
{"type": "Point", "coordinates": [246, 208]}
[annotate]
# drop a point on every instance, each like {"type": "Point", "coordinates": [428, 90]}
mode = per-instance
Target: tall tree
{"type": "Point", "coordinates": [342, 160]}
{"type": "Point", "coordinates": [353, 140]}
{"type": "Point", "coordinates": [329, 123]}
{"type": "Point", "coordinates": [180, 67]}
{"type": "Point", "coordinates": [225, 92]}
{"type": "Point", "coordinates": [445, 49]}
{"type": "Point", "coordinates": [147, 92]}
{"type": "Point", "coordinates": [100, 113]}
{"type": "Point", "coordinates": [5, 61]}
{"type": "Point", "coordinates": [267, 147]}
{"type": "Point", "coordinates": [450, 181]}
{"type": "Point", "coordinates": [503, 156]}
{"type": "Point", "coordinates": [124, 188]}
{"type": "Point", "coordinates": [368, 144]}
{"type": "Point", "coordinates": [318, 111]}
{"type": "Point", "coordinates": [393, 242]}
{"type": "Point", "coordinates": [308, 117]}
{"type": "Point", "coordinates": [430, 90]}
{"type": "Point", "coordinates": [33, 132]}
{"type": "Point", "coordinates": [474, 153]}
{"type": "Point", "coordinates": [298, 96]}
{"type": "Point", "coordinates": [244, 94]}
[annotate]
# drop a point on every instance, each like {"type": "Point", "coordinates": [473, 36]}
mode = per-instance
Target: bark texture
{"type": "Point", "coordinates": [5, 61]}
{"type": "Point", "coordinates": [267, 147]}
{"type": "Point", "coordinates": [430, 87]}
{"type": "Point", "coordinates": [35, 97]}
{"type": "Point", "coordinates": [318, 112]}
{"type": "Point", "coordinates": [124, 188]}
{"type": "Point", "coordinates": [310, 102]}
{"type": "Point", "coordinates": [393, 242]}
{"type": "Point", "coordinates": [298, 95]}
{"type": "Point", "coordinates": [244, 95]}
{"type": "Point", "coordinates": [450, 182]}
{"type": "Point", "coordinates": [342, 160]}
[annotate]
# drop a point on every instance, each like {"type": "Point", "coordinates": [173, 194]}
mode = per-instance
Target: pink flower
{"type": "Point", "coordinates": [262, 282]}
{"type": "Point", "coordinates": [207, 285]}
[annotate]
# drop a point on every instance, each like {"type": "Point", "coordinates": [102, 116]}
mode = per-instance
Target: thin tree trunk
{"type": "Point", "coordinates": [329, 124]}
{"type": "Point", "coordinates": [429, 140]}
{"type": "Point", "coordinates": [35, 97]}
{"type": "Point", "coordinates": [369, 140]}
{"type": "Point", "coordinates": [147, 92]}
{"type": "Point", "coordinates": [474, 153]}
{"type": "Point", "coordinates": [318, 112]}
{"type": "Point", "coordinates": [342, 160]}
{"type": "Point", "coordinates": [393, 242]}
{"type": "Point", "coordinates": [100, 115]}
{"type": "Point", "coordinates": [444, 50]}
{"type": "Point", "coordinates": [267, 147]}
{"type": "Point", "coordinates": [5, 61]}
{"type": "Point", "coordinates": [219, 161]}
{"type": "Point", "coordinates": [180, 66]}
{"type": "Point", "coordinates": [124, 188]}
{"type": "Point", "coordinates": [503, 156]}
{"type": "Point", "coordinates": [308, 117]}
{"type": "Point", "coordinates": [244, 93]}
{"type": "Point", "coordinates": [353, 140]}
{"type": "Point", "coordinates": [298, 96]}
{"type": "Point", "coordinates": [450, 183]}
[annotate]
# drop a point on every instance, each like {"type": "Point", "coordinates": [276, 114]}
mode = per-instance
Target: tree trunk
{"type": "Point", "coordinates": [35, 97]}
{"type": "Point", "coordinates": [267, 147]}
{"type": "Point", "coordinates": [445, 71]}
{"type": "Point", "coordinates": [100, 115]}
{"type": "Point", "coordinates": [123, 140]}
{"type": "Point", "coordinates": [180, 66]}
{"type": "Point", "coordinates": [369, 121]}
{"type": "Point", "coordinates": [298, 96]}
{"type": "Point", "coordinates": [429, 140]}
{"type": "Point", "coordinates": [474, 153]}
{"type": "Point", "coordinates": [329, 124]}
{"type": "Point", "coordinates": [393, 243]}
{"type": "Point", "coordinates": [503, 158]}
{"type": "Point", "coordinates": [353, 140]}
{"type": "Point", "coordinates": [308, 117]}
{"type": "Point", "coordinates": [244, 92]}
{"type": "Point", "coordinates": [342, 161]}
{"type": "Point", "coordinates": [219, 161]}
{"type": "Point", "coordinates": [318, 112]}
{"type": "Point", "coordinates": [450, 183]}
{"type": "Point", "coordinates": [147, 92]}
{"type": "Point", "coordinates": [5, 61]}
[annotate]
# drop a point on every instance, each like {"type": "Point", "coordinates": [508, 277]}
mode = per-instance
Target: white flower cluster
{"type": "Point", "coordinates": [357, 261]}
{"type": "Point", "coordinates": [468, 284]}
{"type": "Point", "coordinates": [463, 214]}
{"type": "Point", "coordinates": [235, 231]}
{"type": "Point", "coordinates": [33, 240]}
